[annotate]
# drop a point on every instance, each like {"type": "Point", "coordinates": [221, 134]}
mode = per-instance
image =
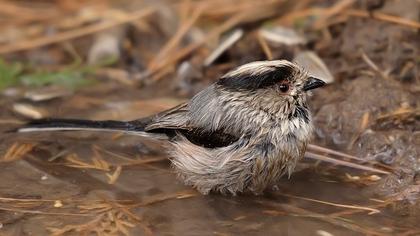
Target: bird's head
{"type": "Point", "coordinates": [287, 78]}
{"type": "Point", "coordinates": [279, 85]}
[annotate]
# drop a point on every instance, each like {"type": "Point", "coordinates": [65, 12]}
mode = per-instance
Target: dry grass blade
{"type": "Point", "coordinates": [229, 23]}
{"type": "Point", "coordinates": [288, 19]}
{"type": "Point", "coordinates": [90, 225]}
{"type": "Point", "coordinates": [13, 122]}
{"type": "Point", "coordinates": [260, 10]}
{"type": "Point", "coordinates": [76, 33]}
{"type": "Point", "coordinates": [316, 148]}
{"type": "Point", "coordinates": [233, 7]}
{"type": "Point", "coordinates": [41, 212]}
{"type": "Point", "coordinates": [129, 161]}
{"type": "Point", "coordinates": [402, 113]}
{"type": "Point", "coordinates": [95, 208]}
{"type": "Point", "coordinates": [363, 125]}
{"type": "Point", "coordinates": [147, 230]}
{"type": "Point", "coordinates": [123, 212]}
{"type": "Point", "coordinates": [8, 199]}
{"type": "Point", "coordinates": [291, 17]}
{"type": "Point", "coordinates": [146, 161]}
{"type": "Point", "coordinates": [91, 204]}
{"type": "Point", "coordinates": [97, 163]}
{"type": "Point", "coordinates": [383, 17]}
{"type": "Point", "coordinates": [362, 208]}
{"type": "Point", "coordinates": [344, 163]}
{"type": "Point", "coordinates": [100, 149]}
{"type": "Point", "coordinates": [120, 225]}
{"type": "Point", "coordinates": [331, 11]}
{"type": "Point", "coordinates": [124, 209]}
{"type": "Point", "coordinates": [355, 211]}
{"type": "Point", "coordinates": [164, 197]}
{"type": "Point", "coordinates": [17, 151]}
{"type": "Point", "coordinates": [373, 66]}
{"type": "Point", "coordinates": [332, 220]}
{"type": "Point", "coordinates": [111, 218]}
{"type": "Point", "coordinates": [12, 9]}
{"type": "Point", "coordinates": [265, 47]}
{"type": "Point", "coordinates": [224, 45]}
{"type": "Point", "coordinates": [176, 39]}
{"type": "Point", "coordinates": [112, 178]}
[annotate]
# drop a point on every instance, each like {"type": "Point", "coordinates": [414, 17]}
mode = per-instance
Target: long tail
{"type": "Point", "coordinates": [132, 127]}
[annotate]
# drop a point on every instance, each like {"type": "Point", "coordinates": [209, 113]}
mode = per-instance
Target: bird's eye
{"type": "Point", "coordinates": [284, 88]}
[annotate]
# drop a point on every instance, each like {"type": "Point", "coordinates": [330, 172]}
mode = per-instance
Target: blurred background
{"type": "Point", "coordinates": [98, 59]}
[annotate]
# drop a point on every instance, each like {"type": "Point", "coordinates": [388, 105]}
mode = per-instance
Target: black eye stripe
{"type": "Point", "coordinates": [246, 81]}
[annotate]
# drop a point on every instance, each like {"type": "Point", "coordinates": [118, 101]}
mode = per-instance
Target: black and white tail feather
{"type": "Point", "coordinates": [55, 124]}
{"type": "Point", "coordinates": [153, 126]}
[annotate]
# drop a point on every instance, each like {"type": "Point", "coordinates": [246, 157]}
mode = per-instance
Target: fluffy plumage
{"type": "Point", "coordinates": [241, 133]}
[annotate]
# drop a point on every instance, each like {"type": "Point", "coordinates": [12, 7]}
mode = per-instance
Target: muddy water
{"type": "Point", "coordinates": [167, 207]}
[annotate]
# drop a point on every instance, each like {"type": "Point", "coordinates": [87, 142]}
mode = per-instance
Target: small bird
{"type": "Point", "coordinates": [240, 134]}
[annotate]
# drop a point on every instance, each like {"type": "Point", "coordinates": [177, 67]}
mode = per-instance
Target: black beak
{"type": "Point", "coordinates": [313, 83]}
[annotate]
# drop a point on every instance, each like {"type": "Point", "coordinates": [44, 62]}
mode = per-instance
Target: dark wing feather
{"type": "Point", "coordinates": [213, 139]}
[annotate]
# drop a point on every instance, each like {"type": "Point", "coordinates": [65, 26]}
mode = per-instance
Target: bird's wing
{"type": "Point", "coordinates": [176, 121]}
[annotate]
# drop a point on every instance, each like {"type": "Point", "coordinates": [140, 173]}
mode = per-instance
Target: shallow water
{"type": "Point", "coordinates": [169, 207]}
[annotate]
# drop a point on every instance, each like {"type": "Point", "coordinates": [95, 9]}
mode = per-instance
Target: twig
{"type": "Point", "coordinates": [344, 163]}
{"type": "Point", "coordinates": [76, 33]}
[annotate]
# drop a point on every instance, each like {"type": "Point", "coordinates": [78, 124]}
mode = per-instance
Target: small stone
{"type": "Point", "coordinates": [323, 233]}
{"type": "Point", "coordinates": [230, 40]}
{"type": "Point", "coordinates": [58, 204]}
{"type": "Point", "coordinates": [374, 178]}
{"type": "Point", "coordinates": [29, 111]}
{"type": "Point", "coordinates": [315, 66]}
{"type": "Point", "coordinates": [282, 35]}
